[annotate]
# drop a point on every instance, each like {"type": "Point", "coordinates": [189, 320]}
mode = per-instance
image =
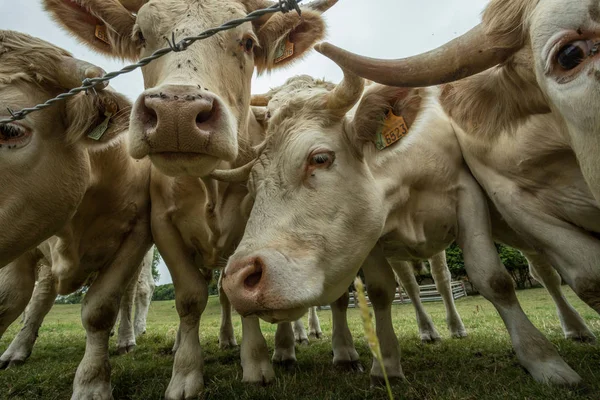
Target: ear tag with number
{"type": "Point", "coordinates": [284, 51]}
{"type": "Point", "coordinates": [101, 34]}
{"type": "Point", "coordinates": [99, 131]}
{"type": "Point", "coordinates": [391, 130]}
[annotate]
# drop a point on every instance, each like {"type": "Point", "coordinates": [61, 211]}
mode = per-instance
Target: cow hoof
{"type": "Point", "coordinates": [379, 381]}
{"type": "Point", "coordinates": [288, 365]}
{"type": "Point", "coordinates": [349, 366]}
{"type": "Point", "coordinates": [124, 349]}
{"type": "Point", "coordinates": [556, 372]}
{"type": "Point", "coordinates": [11, 363]}
{"type": "Point", "coordinates": [185, 386]}
{"type": "Point", "coordinates": [262, 374]}
{"type": "Point", "coordinates": [227, 344]}
{"type": "Point", "coordinates": [92, 391]}
{"type": "Point", "coordinates": [303, 342]}
{"type": "Point", "coordinates": [316, 335]}
{"type": "Point", "coordinates": [582, 337]}
{"type": "Point", "coordinates": [459, 334]}
{"type": "Point", "coordinates": [430, 337]}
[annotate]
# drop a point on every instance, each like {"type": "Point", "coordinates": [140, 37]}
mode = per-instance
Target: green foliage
{"type": "Point", "coordinates": [155, 260]}
{"type": "Point", "coordinates": [73, 298]}
{"type": "Point", "coordinates": [164, 292]}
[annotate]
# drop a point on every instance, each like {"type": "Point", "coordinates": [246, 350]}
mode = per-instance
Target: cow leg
{"type": "Point", "coordinates": [381, 287]}
{"type": "Point", "coordinates": [299, 332]}
{"type": "Point", "coordinates": [487, 273]}
{"type": "Point", "coordinates": [314, 326]}
{"type": "Point", "coordinates": [41, 302]}
{"type": "Point", "coordinates": [441, 277]}
{"type": "Point", "coordinates": [572, 324]}
{"type": "Point", "coordinates": [254, 353]}
{"type": "Point", "coordinates": [17, 280]}
{"type": "Point", "coordinates": [344, 352]}
{"type": "Point", "coordinates": [406, 275]}
{"type": "Point", "coordinates": [99, 311]}
{"type": "Point", "coordinates": [126, 335]}
{"type": "Point", "coordinates": [143, 295]}
{"type": "Point", "coordinates": [191, 296]}
{"type": "Point", "coordinates": [226, 333]}
{"type": "Point", "coordinates": [177, 340]}
{"type": "Point", "coordinates": [285, 350]}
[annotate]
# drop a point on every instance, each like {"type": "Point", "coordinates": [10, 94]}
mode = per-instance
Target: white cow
{"type": "Point", "coordinates": [43, 158]}
{"type": "Point", "coordinates": [528, 128]}
{"type": "Point", "coordinates": [349, 190]}
{"type": "Point", "coordinates": [194, 116]}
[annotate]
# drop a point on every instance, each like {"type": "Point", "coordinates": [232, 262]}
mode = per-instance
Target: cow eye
{"type": "Point", "coordinates": [322, 159]}
{"type": "Point", "coordinates": [10, 132]}
{"type": "Point", "coordinates": [572, 54]}
{"type": "Point", "coordinates": [249, 45]}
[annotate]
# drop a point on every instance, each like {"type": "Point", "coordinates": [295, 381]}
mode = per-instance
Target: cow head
{"type": "Point", "coordinates": [44, 157]}
{"type": "Point", "coordinates": [197, 101]}
{"type": "Point", "coordinates": [564, 40]}
{"type": "Point", "coordinates": [317, 211]}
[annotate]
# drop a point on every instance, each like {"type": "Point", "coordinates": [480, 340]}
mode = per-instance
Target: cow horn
{"type": "Point", "coordinates": [464, 56]}
{"type": "Point", "coordinates": [259, 100]}
{"type": "Point", "coordinates": [346, 93]}
{"type": "Point", "coordinates": [71, 72]}
{"type": "Point", "coordinates": [236, 175]}
{"type": "Point", "coordinates": [321, 5]}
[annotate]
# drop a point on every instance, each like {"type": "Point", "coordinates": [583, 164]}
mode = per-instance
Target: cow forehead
{"type": "Point", "coordinates": [553, 16]}
{"type": "Point", "coordinates": [167, 15]}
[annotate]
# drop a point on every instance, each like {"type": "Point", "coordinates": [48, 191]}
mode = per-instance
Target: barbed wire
{"type": "Point", "coordinates": [283, 6]}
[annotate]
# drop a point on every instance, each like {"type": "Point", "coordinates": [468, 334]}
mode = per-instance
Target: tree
{"type": "Point", "coordinates": [155, 260]}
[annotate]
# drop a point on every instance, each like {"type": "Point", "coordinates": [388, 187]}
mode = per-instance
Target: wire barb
{"type": "Point", "coordinates": [283, 6]}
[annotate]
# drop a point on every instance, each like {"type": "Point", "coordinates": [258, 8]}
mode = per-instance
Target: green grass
{"type": "Point", "coordinates": [482, 366]}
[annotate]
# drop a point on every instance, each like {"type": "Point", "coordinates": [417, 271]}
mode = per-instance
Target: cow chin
{"type": "Point", "coordinates": [278, 316]}
{"type": "Point", "coordinates": [184, 164]}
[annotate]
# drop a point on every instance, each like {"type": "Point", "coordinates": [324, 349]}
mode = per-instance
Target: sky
{"type": "Point", "coordinates": [375, 28]}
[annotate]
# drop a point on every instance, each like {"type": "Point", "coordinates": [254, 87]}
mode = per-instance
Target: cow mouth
{"type": "Point", "coordinates": [278, 316]}
{"type": "Point", "coordinates": [178, 155]}
{"type": "Point", "coordinates": [14, 135]}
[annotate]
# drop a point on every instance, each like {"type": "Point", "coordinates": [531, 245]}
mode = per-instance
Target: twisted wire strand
{"type": "Point", "coordinates": [283, 6]}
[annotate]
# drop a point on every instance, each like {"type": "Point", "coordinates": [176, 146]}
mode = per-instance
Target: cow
{"type": "Point", "coordinates": [536, 101]}
{"type": "Point", "coordinates": [107, 236]}
{"type": "Point", "coordinates": [326, 189]}
{"type": "Point", "coordinates": [42, 300]}
{"type": "Point", "coordinates": [193, 117]}
{"type": "Point", "coordinates": [44, 157]}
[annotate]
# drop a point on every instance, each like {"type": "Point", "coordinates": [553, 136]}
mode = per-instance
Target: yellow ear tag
{"type": "Point", "coordinates": [99, 131]}
{"type": "Point", "coordinates": [101, 34]}
{"type": "Point", "coordinates": [285, 50]}
{"type": "Point", "coordinates": [393, 129]}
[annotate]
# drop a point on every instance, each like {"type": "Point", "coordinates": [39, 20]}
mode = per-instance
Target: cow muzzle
{"type": "Point", "coordinates": [186, 130]}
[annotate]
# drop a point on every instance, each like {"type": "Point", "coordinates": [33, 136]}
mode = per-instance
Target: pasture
{"type": "Point", "coordinates": [481, 366]}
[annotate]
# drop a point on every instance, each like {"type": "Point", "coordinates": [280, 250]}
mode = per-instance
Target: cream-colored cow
{"type": "Point", "coordinates": [326, 189]}
{"type": "Point", "coordinates": [194, 116]}
{"type": "Point", "coordinates": [529, 127]}
{"type": "Point", "coordinates": [44, 158]}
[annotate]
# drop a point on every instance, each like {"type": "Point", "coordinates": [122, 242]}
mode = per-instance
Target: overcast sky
{"type": "Point", "coordinates": [376, 28]}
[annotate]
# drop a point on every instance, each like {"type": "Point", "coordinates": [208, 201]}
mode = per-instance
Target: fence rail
{"type": "Point", "coordinates": [426, 293]}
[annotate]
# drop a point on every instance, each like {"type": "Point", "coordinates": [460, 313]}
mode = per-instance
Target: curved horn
{"type": "Point", "coordinates": [321, 5]}
{"type": "Point", "coordinates": [236, 175]}
{"type": "Point", "coordinates": [259, 100]}
{"type": "Point", "coordinates": [464, 56]}
{"type": "Point", "coordinates": [72, 71]}
{"type": "Point", "coordinates": [346, 93]}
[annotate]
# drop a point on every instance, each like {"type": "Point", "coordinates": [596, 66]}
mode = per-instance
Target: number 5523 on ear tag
{"type": "Point", "coordinates": [391, 130]}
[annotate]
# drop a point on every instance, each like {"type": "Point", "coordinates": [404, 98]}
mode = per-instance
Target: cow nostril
{"type": "Point", "coordinates": [254, 278]}
{"type": "Point", "coordinates": [148, 116]}
{"type": "Point", "coordinates": [204, 116]}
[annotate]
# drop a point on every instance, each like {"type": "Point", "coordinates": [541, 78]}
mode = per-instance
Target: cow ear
{"type": "Point", "coordinates": [284, 38]}
{"type": "Point", "coordinates": [383, 105]}
{"type": "Point", "coordinates": [105, 25]}
{"type": "Point", "coordinates": [97, 120]}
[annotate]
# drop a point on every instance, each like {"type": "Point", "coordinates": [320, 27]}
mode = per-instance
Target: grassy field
{"type": "Point", "coordinates": [481, 366]}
